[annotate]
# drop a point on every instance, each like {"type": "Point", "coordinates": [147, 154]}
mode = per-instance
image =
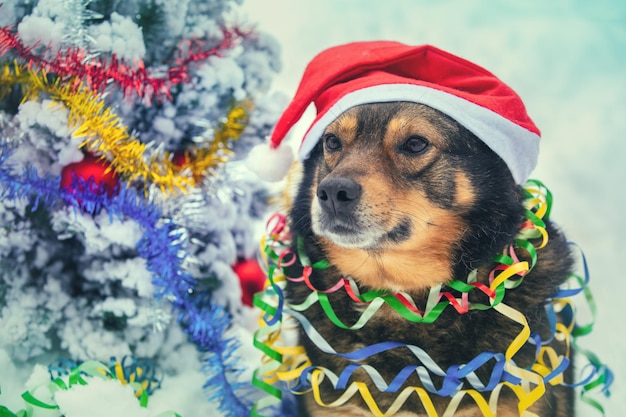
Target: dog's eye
{"type": "Point", "coordinates": [414, 145]}
{"type": "Point", "coordinates": [332, 143]}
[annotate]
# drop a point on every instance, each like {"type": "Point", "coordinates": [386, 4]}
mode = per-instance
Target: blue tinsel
{"type": "Point", "coordinates": [162, 247]}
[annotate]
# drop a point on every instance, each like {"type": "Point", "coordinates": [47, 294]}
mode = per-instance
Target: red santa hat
{"type": "Point", "coordinates": [382, 71]}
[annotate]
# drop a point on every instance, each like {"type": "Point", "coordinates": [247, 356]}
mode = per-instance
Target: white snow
{"type": "Point", "coordinates": [228, 72]}
{"type": "Point", "coordinates": [52, 117]}
{"type": "Point", "coordinates": [7, 17]}
{"type": "Point", "coordinates": [41, 31]}
{"type": "Point", "coordinates": [100, 398]}
{"type": "Point", "coordinates": [120, 36]}
{"type": "Point", "coordinates": [39, 376]}
{"type": "Point", "coordinates": [50, 8]}
{"type": "Point", "coordinates": [131, 272]}
{"type": "Point", "coordinates": [98, 235]}
{"type": "Point", "coordinates": [229, 293]}
{"type": "Point", "coordinates": [116, 306]}
{"type": "Point", "coordinates": [47, 113]}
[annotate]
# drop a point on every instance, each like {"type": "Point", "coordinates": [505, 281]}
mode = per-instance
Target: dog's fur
{"type": "Point", "coordinates": [416, 218]}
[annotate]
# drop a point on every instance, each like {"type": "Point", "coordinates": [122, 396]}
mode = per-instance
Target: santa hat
{"type": "Point", "coordinates": [370, 72]}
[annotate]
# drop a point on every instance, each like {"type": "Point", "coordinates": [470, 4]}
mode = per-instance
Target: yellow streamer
{"type": "Point", "coordinates": [526, 394]}
{"type": "Point", "coordinates": [533, 380]}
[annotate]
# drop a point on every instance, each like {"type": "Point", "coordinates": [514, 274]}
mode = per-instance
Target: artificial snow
{"type": "Point", "coordinates": [8, 15]}
{"type": "Point", "coordinates": [120, 36]}
{"type": "Point", "coordinates": [39, 377]}
{"type": "Point", "coordinates": [131, 273]}
{"type": "Point", "coordinates": [51, 8]}
{"type": "Point", "coordinates": [41, 31]}
{"type": "Point", "coordinates": [46, 114]}
{"type": "Point", "coordinates": [229, 293]}
{"type": "Point", "coordinates": [117, 306]}
{"type": "Point", "coordinates": [72, 284]}
{"type": "Point", "coordinates": [227, 74]}
{"type": "Point", "coordinates": [165, 126]}
{"type": "Point", "coordinates": [84, 339]}
{"type": "Point", "coordinates": [97, 235]}
{"type": "Point", "coordinates": [43, 121]}
{"type": "Point", "coordinates": [100, 398]}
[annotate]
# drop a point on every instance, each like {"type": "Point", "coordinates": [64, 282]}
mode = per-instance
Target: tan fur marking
{"type": "Point", "coordinates": [416, 264]}
{"type": "Point", "coordinates": [419, 262]}
{"type": "Point", "coordinates": [465, 194]}
{"type": "Point", "coordinates": [412, 122]}
{"type": "Point", "coordinates": [344, 127]}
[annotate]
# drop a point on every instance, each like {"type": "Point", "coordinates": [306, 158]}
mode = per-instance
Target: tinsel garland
{"type": "Point", "coordinates": [162, 246]}
{"type": "Point", "coordinates": [76, 16]}
{"type": "Point", "coordinates": [104, 133]}
{"type": "Point", "coordinates": [98, 73]}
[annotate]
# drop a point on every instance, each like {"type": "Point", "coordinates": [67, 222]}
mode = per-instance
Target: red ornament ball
{"type": "Point", "coordinates": [180, 158]}
{"type": "Point", "coordinates": [251, 279]}
{"type": "Point", "coordinates": [92, 171]}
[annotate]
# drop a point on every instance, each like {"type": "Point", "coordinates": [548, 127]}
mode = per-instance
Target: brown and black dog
{"type": "Point", "coordinates": [401, 197]}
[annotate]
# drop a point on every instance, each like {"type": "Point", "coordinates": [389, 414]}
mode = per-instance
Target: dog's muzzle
{"type": "Point", "coordinates": [341, 216]}
{"type": "Point", "coordinates": [338, 217]}
{"type": "Point", "coordinates": [338, 196]}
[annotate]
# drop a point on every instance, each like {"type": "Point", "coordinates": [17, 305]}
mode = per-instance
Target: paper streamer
{"type": "Point", "coordinates": [79, 375]}
{"type": "Point", "coordinates": [528, 384]}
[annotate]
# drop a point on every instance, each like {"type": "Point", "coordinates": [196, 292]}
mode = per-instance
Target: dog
{"type": "Point", "coordinates": [401, 197]}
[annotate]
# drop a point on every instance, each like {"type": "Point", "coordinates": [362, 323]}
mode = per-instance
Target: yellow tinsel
{"type": "Point", "coordinates": [104, 134]}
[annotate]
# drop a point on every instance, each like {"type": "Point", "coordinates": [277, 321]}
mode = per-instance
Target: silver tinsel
{"type": "Point", "coordinates": [75, 18]}
{"type": "Point", "coordinates": [10, 131]}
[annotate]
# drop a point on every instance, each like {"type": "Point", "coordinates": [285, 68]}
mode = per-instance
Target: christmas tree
{"type": "Point", "coordinates": [126, 216]}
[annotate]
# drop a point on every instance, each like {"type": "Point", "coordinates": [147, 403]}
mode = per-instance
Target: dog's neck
{"type": "Point", "coordinates": [397, 269]}
{"type": "Point", "coordinates": [403, 269]}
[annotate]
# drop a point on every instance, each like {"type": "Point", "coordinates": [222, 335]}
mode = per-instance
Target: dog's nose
{"type": "Point", "coordinates": [338, 194]}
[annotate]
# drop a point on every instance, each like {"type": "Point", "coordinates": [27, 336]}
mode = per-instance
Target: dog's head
{"type": "Point", "coordinates": [402, 197]}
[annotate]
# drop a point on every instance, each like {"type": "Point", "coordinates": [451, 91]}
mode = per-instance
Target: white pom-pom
{"type": "Point", "coordinates": [270, 164]}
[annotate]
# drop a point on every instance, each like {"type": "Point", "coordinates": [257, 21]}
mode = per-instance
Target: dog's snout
{"type": "Point", "coordinates": [338, 194]}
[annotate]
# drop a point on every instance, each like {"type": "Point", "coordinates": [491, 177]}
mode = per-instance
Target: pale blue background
{"type": "Point", "coordinates": [567, 59]}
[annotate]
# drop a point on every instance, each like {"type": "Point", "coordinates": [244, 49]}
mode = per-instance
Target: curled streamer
{"type": "Point", "coordinates": [527, 384]}
{"type": "Point", "coordinates": [142, 373]}
{"type": "Point", "coordinates": [80, 375]}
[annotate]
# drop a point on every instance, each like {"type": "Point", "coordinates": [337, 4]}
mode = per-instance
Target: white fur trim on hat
{"type": "Point", "coordinates": [270, 164]}
{"type": "Point", "coordinates": [518, 147]}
